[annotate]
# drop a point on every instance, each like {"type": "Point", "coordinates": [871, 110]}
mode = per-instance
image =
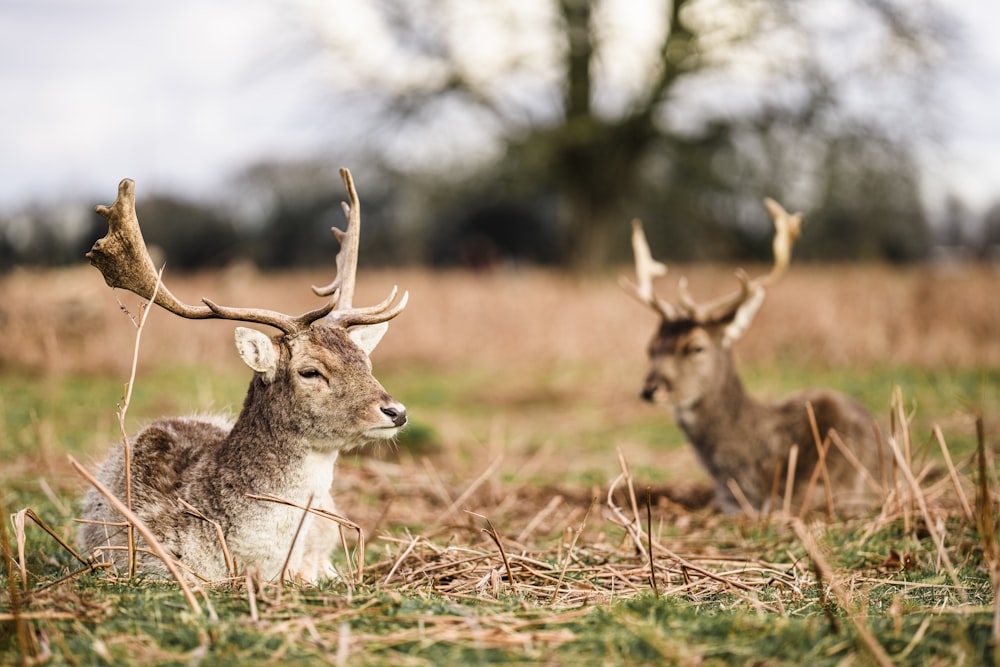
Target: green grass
{"type": "Point", "coordinates": [562, 411]}
{"type": "Point", "coordinates": [119, 623]}
{"type": "Point", "coordinates": [898, 588]}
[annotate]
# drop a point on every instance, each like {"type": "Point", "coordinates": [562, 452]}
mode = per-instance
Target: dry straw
{"type": "Point", "coordinates": [569, 554]}
{"type": "Point", "coordinates": [556, 550]}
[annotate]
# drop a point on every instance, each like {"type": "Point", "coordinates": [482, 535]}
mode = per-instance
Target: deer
{"type": "Point", "coordinates": [197, 483]}
{"type": "Point", "coordinates": [752, 450]}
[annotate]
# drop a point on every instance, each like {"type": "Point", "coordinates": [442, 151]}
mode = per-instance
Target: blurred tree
{"type": "Point", "coordinates": [43, 236]}
{"type": "Point", "coordinates": [957, 224]}
{"type": "Point", "coordinates": [873, 207]}
{"type": "Point", "coordinates": [184, 233]}
{"type": "Point", "coordinates": [8, 256]}
{"type": "Point", "coordinates": [493, 233]}
{"type": "Point", "coordinates": [705, 104]}
{"type": "Point", "coordinates": [286, 209]}
{"type": "Point", "coordinates": [988, 245]}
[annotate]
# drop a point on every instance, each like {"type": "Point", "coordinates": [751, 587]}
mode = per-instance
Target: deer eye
{"type": "Point", "coordinates": [310, 373]}
{"type": "Point", "coordinates": [693, 348]}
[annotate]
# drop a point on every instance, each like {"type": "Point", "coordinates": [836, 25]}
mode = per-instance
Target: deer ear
{"type": "Point", "coordinates": [743, 317]}
{"type": "Point", "coordinates": [257, 351]}
{"type": "Point", "coordinates": [367, 336]}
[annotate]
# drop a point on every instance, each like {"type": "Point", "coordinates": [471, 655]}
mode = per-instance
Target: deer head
{"type": "Point", "coordinates": [321, 356]}
{"type": "Point", "coordinates": [689, 354]}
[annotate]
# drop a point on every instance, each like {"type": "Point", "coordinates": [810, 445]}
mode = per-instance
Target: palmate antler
{"type": "Point", "coordinates": [787, 228]}
{"type": "Point", "coordinates": [123, 259]}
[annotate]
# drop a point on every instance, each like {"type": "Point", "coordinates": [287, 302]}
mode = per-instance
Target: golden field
{"type": "Point", "coordinates": [843, 316]}
{"type": "Point", "coordinates": [541, 357]}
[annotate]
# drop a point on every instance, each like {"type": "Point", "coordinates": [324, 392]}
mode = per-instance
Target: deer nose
{"type": "Point", "coordinates": [397, 413]}
{"type": "Point", "coordinates": [651, 386]}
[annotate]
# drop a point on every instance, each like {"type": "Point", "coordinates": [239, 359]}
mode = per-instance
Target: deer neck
{"type": "Point", "coordinates": [719, 412]}
{"type": "Point", "coordinates": [272, 455]}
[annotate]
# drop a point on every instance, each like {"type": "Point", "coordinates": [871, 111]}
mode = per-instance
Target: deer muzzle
{"type": "Point", "coordinates": [655, 387]}
{"type": "Point", "coordinates": [396, 412]}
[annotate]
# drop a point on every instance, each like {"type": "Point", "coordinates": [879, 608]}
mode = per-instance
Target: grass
{"type": "Point", "coordinates": [416, 619]}
{"type": "Point", "coordinates": [491, 536]}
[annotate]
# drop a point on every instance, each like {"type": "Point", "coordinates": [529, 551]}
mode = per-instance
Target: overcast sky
{"type": "Point", "coordinates": [179, 95]}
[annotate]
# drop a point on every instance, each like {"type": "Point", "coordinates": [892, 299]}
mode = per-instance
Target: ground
{"type": "Point", "coordinates": [535, 510]}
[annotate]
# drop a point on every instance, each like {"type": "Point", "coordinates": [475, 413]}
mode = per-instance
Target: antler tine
{"type": "Point", "coordinates": [342, 287]}
{"type": "Point", "coordinates": [350, 243]}
{"type": "Point", "coordinates": [123, 259]}
{"type": "Point", "coordinates": [371, 314]}
{"type": "Point", "coordinates": [787, 229]}
{"type": "Point", "coordinates": [712, 310]}
{"type": "Point", "coordinates": [646, 270]}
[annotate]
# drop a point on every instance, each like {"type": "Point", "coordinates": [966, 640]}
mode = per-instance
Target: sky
{"type": "Point", "coordinates": [181, 95]}
{"type": "Point", "coordinates": [173, 94]}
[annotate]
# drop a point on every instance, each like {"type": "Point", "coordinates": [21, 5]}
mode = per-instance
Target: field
{"type": "Point", "coordinates": [535, 510]}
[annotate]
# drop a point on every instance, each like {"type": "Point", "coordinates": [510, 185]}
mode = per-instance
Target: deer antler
{"type": "Point", "coordinates": [715, 309]}
{"type": "Point", "coordinates": [350, 243]}
{"type": "Point", "coordinates": [342, 287]}
{"type": "Point", "coordinates": [123, 259]}
{"type": "Point", "coordinates": [788, 228]}
{"type": "Point", "coordinates": [646, 270]}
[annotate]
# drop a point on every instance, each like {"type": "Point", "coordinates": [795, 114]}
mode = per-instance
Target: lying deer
{"type": "Point", "coordinates": [312, 395]}
{"type": "Point", "coordinates": [745, 445]}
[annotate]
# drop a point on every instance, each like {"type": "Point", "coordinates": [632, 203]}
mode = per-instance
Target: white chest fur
{"type": "Point", "coordinates": [275, 532]}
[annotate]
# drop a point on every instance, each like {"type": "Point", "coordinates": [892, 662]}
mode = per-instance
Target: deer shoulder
{"type": "Point", "coordinates": [746, 445]}
{"type": "Point", "coordinates": [198, 482]}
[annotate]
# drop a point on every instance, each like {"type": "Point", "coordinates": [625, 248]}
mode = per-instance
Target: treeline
{"type": "Point", "coordinates": [487, 223]}
{"type": "Point", "coordinates": [558, 154]}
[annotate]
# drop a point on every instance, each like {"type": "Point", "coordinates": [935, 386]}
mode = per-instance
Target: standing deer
{"type": "Point", "coordinates": [739, 440]}
{"type": "Point", "coordinates": [312, 395]}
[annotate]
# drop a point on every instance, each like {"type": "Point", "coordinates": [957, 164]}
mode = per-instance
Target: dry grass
{"type": "Point", "coordinates": [544, 361]}
{"type": "Point", "coordinates": [537, 345]}
{"type": "Point", "coordinates": [521, 563]}
{"type": "Point", "coordinates": [474, 556]}
{"type": "Point", "coordinates": [68, 320]}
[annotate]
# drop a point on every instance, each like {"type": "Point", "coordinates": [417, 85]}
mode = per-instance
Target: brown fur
{"type": "Point", "coordinates": [285, 442]}
{"type": "Point", "coordinates": [738, 438]}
